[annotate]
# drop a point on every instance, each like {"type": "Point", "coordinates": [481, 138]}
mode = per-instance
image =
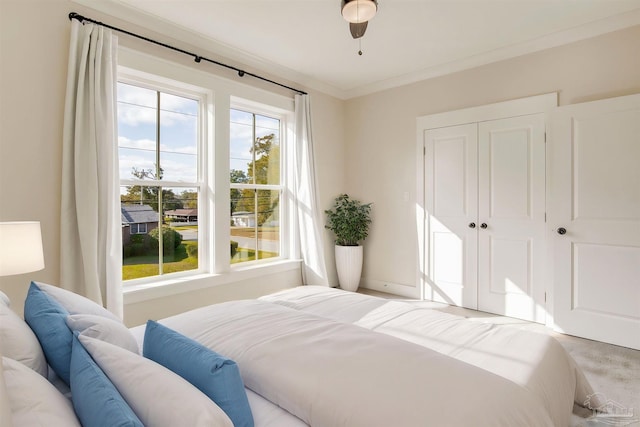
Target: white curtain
{"type": "Point", "coordinates": [309, 217]}
{"type": "Point", "coordinates": [90, 240]}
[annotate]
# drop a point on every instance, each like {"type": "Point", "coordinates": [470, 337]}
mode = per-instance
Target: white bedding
{"type": "Point", "coordinates": [333, 374]}
{"type": "Point", "coordinates": [536, 362]}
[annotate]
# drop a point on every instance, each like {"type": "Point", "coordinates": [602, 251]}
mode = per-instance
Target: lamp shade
{"type": "Point", "coordinates": [358, 11]}
{"type": "Point", "coordinates": [20, 248]}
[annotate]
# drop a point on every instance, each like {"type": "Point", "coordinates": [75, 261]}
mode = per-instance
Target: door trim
{"type": "Point", "coordinates": [500, 110]}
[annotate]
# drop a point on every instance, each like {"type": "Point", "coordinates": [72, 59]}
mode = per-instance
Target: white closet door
{"type": "Point", "coordinates": [451, 201]}
{"type": "Point", "coordinates": [511, 213]}
{"type": "Point", "coordinates": [595, 201]}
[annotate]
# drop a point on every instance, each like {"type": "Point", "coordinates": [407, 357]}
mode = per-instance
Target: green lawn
{"type": "Point", "coordinates": [243, 255]}
{"type": "Point", "coordinates": [145, 266]}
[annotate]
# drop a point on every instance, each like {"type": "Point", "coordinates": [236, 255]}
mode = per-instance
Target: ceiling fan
{"type": "Point", "coordinates": [358, 13]}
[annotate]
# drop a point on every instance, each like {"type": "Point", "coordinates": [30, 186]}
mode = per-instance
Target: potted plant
{"type": "Point", "coordinates": [349, 220]}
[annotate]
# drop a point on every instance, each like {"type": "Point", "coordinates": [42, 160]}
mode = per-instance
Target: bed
{"type": "Point", "coordinates": [306, 356]}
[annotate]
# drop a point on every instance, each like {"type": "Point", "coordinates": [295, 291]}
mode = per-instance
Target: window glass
{"type": "Point", "coordinates": [255, 186]}
{"type": "Point", "coordinates": [158, 143]}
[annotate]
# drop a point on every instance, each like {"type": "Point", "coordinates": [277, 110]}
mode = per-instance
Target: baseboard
{"type": "Point", "coordinates": [390, 288]}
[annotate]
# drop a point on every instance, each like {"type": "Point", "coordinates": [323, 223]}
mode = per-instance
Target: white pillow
{"type": "Point", "coordinates": [18, 342]}
{"type": "Point", "coordinates": [5, 407]}
{"type": "Point", "coordinates": [33, 400]}
{"type": "Point", "coordinates": [157, 396]}
{"type": "Point", "coordinates": [74, 303]}
{"type": "Point", "coordinates": [5, 299]}
{"type": "Point", "coordinates": [103, 329]}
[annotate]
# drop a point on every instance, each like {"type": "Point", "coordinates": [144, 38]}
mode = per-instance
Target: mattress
{"type": "Point", "coordinates": [535, 361]}
{"type": "Point", "coordinates": [330, 373]}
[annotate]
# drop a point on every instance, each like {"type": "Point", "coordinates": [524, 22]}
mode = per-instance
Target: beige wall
{"type": "Point", "coordinates": [34, 42]}
{"type": "Point", "coordinates": [381, 131]}
{"type": "Point", "coordinates": [34, 37]}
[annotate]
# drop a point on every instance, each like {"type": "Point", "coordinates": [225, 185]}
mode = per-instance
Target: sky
{"type": "Point", "coordinates": [137, 112]}
{"type": "Point", "coordinates": [137, 133]}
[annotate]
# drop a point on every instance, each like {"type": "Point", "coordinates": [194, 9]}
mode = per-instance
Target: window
{"type": "Point", "coordinates": [158, 144]}
{"type": "Point", "coordinates": [255, 186]}
{"type": "Point", "coordinates": [137, 228]}
{"type": "Point", "coordinates": [188, 140]}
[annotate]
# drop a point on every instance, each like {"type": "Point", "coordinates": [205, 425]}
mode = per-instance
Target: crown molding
{"type": "Point", "coordinates": [581, 32]}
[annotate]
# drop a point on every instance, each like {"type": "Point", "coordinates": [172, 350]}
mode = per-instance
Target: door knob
{"type": "Point", "coordinates": [562, 230]}
{"type": "Point", "coordinates": [483, 225]}
{"type": "Point", "coordinates": [472, 225]}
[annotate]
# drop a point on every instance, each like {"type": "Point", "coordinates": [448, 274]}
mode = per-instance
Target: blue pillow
{"type": "Point", "coordinates": [47, 319]}
{"type": "Point", "coordinates": [95, 399]}
{"type": "Point", "coordinates": [216, 376]}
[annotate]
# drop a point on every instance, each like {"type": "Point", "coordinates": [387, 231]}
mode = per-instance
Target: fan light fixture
{"type": "Point", "coordinates": [359, 11]}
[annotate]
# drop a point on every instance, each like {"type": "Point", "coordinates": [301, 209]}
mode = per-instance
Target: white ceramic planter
{"type": "Point", "coordinates": [349, 266]}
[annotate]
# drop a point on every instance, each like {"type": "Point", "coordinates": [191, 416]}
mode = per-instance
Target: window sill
{"type": "Point", "coordinates": [164, 288]}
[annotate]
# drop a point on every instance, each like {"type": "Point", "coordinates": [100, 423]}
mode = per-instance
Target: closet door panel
{"type": "Point", "coordinates": [451, 205]}
{"type": "Point", "coordinates": [511, 202]}
{"type": "Point", "coordinates": [595, 202]}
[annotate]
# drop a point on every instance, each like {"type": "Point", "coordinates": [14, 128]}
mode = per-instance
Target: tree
{"type": "Point", "coordinates": [189, 199]}
{"type": "Point", "coordinates": [145, 195]}
{"type": "Point", "coordinates": [237, 177]}
{"type": "Point", "coordinates": [265, 169]}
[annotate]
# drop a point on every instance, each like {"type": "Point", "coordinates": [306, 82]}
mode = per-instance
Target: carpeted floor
{"type": "Point", "coordinates": [613, 371]}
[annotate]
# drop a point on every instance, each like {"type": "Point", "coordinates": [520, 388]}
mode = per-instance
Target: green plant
{"type": "Point", "coordinates": [234, 248]}
{"type": "Point", "coordinates": [192, 251]}
{"type": "Point", "coordinates": [349, 220]}
{"type": "Point", "coordinates": [171, 239]}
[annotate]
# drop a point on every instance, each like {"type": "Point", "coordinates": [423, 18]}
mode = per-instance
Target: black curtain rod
{"type": "Point", "coordinates": [197, 58]}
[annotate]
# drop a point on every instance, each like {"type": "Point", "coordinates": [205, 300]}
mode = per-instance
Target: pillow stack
{"type": "Point", "coordinates": [54, 313]}
{"type": "Point", "coordinates": [177, 382]}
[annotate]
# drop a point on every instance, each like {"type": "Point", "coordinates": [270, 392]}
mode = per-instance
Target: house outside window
{"type": "Point", "coordinates": [255, 185]}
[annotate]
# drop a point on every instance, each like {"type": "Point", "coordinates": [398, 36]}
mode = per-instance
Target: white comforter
{"type": "Point", "coordinates": [334, 374]}
{"type": "Point", "coordinates": [536, 362]}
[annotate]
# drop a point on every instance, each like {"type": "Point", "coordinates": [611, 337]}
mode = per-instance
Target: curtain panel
{"type": "Point", "coordinates": [90, 251]}
{"type": "Point", "coordinates": [309, 217]}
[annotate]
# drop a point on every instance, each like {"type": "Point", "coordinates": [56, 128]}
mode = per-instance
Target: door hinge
{"type": "Point", "coordinates": [424, 151]}
{"type": "Point", "coordinates": [545, 137]}
{"type": "Point", "coordinates": [545, 217]}
{"type": "Point", "coordinates": [545, 297]}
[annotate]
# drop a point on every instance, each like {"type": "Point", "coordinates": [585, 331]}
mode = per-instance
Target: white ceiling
{"type": "Point", "coordinates": [308, 41]}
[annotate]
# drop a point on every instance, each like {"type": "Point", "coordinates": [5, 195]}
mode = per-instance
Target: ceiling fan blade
{"type": "Point", "coordinates": [357, 30]}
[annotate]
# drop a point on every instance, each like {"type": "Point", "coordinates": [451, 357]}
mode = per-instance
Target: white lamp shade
{"type": "Point", "coordinates": [358, 11]}
{"type": "Point", "coordinates": [20, 248]}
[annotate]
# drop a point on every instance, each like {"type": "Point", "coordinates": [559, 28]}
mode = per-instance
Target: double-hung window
{"type": "Point", "coordinates": [160, 178]}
